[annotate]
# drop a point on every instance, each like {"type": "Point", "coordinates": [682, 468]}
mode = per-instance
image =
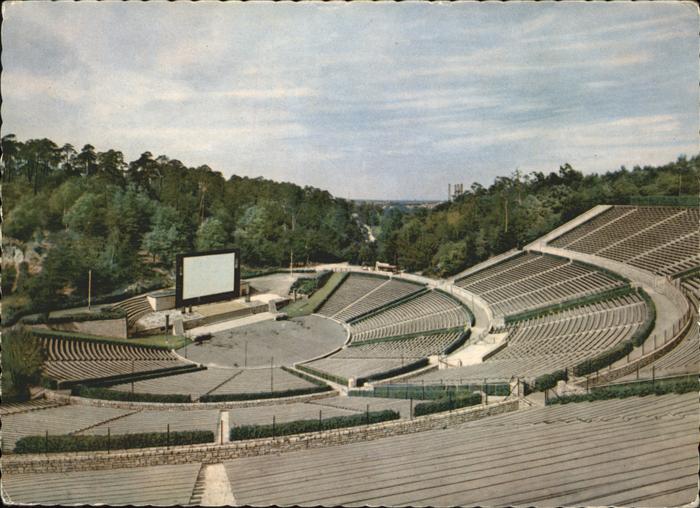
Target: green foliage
{"type": "Point", "coordinates": [325, 375]}
{"type": "Point", "coordinates": [429, 392]}
{"type": "Point", "coordinates": [393, 372]}
{"type": "Point", "coordinates": [71, 443]}
{"type": "Point", "coordinates": [604, 359]}
{"type": "Point", "coordinates": [301, 375]}
{"type": "Point", "coordinates": [91, 392]}
{"type": "Point", "coordinates": [22, 359]}
{"type": "Point", "coordinates": [302, 426]}
{"type": "Point", "coordinates": [647, 326]}
{"type": "Point", "coordinates": [549, 381]}
{"type": "Point", "coordinates": [293, 392]}
{"type": "Point", "coordinates": [211, 235]}
{"type": "Point", "coordinates": [447, 402]}
{"type": "Point", "coordinates": [634, 389]}
{"type": "Point", "coordinates": [305, 307]}
{"type": "Point", "coordinates": [308, 285]}
{"type": "Point", "coordinates": [77, 317]}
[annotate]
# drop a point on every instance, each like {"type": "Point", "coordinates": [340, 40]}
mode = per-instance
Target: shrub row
{"type": "Point", "coordinates": [325, 375]}
{"type": "Point", "coordinates": [323, 300]}
{"type": "Point", "coordinates": [649, 321]}
{"type": "Point", "coordinates": [303, 376]}
{"type": "Point", "coordinates": [222, 397]}
{"type": "Point", "coordinates": [459, 342]}
{"type": "Point", "coordinates": [308, 285]}
{"type": "Point", "coordinates": [447, 403]}
{"type": "Point", "coordinates": [302, 426]}
{"type": "Point", "coordinates": [77, 317]}
{"type": "Point", "coordinates": [92, 392]}
{"type": "Point", "coordinates": [604, 359]}
{"type": "Point", "coordinates": [418, 364]}
{"type": "Point", "coordinates": [69, 443]}
{"type": "Point", "coordinates": [405, 336]}
{"type": "Point", "coordinates": [549, 381]}
{"type": "Point", "coordinates": [570, 304]}
{"type": "Point", "coordinates": [637, 389]}
{"type": "Point", "coordinates": [417, 392]}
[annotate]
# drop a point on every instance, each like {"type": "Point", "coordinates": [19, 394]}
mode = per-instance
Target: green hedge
{"type": "Point", "coordinates": [107, 394]}
{"type": "Point", "coordinates": [548, 381]}
{"type": "Point", "coordinates": [578, 302]}
{"type": "Point", "coordinates": [636, 389]}
{"type": "Point", "coordinates": [649, 321]}
{"type": "Point", "coordinates": [308, 285]}
{"type": "Point", "coordinates": [302, 426]}
{"type": "Point", "coordinates": [604, 359]}
{"type": "Point", "coordinates": [407, 336]}
{"type": "Point", "coordinates": [223, 397]}
{"type": "Point", "coordinates": [77, 317]}
{"type": "Point", "coordinates": [303, 376]}
{"type": "Point", "coordinates": [447, 403]}
{"type": "Point", "coordinates": [393, 372]}
{"type": "Point", "coordinates": [69, 443]}
{"type": "Point", "coordinates": [417, 392]}
{"type": "Point", "coordinates": [325, 375]}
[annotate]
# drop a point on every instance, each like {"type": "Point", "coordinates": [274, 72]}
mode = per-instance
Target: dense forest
{"type": "Point", "coordinates": [82, 210]}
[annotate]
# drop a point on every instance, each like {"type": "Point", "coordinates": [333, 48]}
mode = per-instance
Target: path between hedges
{"type": "Point", "coordinates": [217, 487]}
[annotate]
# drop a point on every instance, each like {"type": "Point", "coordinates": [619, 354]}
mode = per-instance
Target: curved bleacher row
{"type": "Point", "coordinates": [393, 324]}
{"type": "Point", "coordinates": [430, 311]}
{"type": "Point", "coordinates": [135, 308]}
{"type": "Point", "coordinates": [529, 281]}
{"type": "Point", "coordinates": [71, 359]}
{"type": "Point", "coordinates": [361, 293]}
{"type": "Point", "coordinates": [557, 341]}
{"type": "Point", "coordinates": [661, 240]}
{"type": "Point", "coordinates": [685, 357]}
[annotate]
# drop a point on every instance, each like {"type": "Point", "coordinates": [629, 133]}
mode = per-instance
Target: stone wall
{"type": "Point", "coordinates": [208, 454]}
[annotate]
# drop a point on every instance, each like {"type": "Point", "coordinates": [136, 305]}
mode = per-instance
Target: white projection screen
{"type": "Point", "coordinates": [204, 277]}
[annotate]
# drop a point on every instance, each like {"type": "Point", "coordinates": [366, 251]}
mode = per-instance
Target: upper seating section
{"type": "Point", "coordinates": [661, 240]}
{"type": "Point", "coordinates": [352, 289]}
{"type": "Point", "coordinates": [430, 311]}
{"type": "Point", "coordinates": [388, 292]}
{"type": "Point", "coordinates": [548, 343]}
{"type": "Point", "coordinates": [135, 308]}
{"type": "Point", "coordinates": [531, 281]}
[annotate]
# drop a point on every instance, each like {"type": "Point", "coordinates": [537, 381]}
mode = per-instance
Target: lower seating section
{"type": "Point", "coordinates": [328, 408]}
{"type": "Point", "coordinates": [545, 344]}
{"type": "Point", "coordinates": [353, 288]}
{"type": "Point", "coordinates": [158, 421]}
{"type": "Point", "coordinates": [9, 408]}
{"type": "Point", "coordinates": [427, 312]}
{"type": "Point", "coordinates": [685, 357]}
{"type": "Point", "coordinates": [220, 381]}
{"type": "Point", "coordinates": [531, 281]}
{"type": "Point", "coordinates": [262, 380]}
{"type": "Point", "coordinates": [70, 359]}
{"type": "Point", "coordinates": [136, 308]}
{"type": "Point", "coordinates": [357, 367]}
{"type": "Point", "coordinates": [388, 292]}
{"type": "Point", "coordinates": [56, 421]}
{"type": "Point", "coordinates": [628, 452]}
{"type": "Point", "coordinates": [155, 485]}
{"type": "Point", "coordinates": [662, 240]}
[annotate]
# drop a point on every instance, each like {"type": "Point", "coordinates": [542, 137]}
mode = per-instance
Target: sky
{"type": "Point", "coordinates": [366, 100]}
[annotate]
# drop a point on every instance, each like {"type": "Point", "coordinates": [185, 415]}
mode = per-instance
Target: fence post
{"type": "Point", "coordinates": [167, 438]}
{"type": "Point", "coordinates": [637, 371]}
{"type": "Point", "coordinates": [367, 412]}
{"type": "Point", "coordinates": [46, 443]}
{"type": "Point", "coordinates": [109, 440]}
{"type": "Point", "coordinates": [588, 377]}
{"type": "Point", "coordinates": [221, 432]}
{"type": "Point", "coordinates": [410, 411]}
{"type": "Point", "coordinates": [653, 375]}
{"type": "Point", "coordinates": [320, 418]}
{"type": "Point", "coordinates": [273, 426]}
{"type": "Point", "coordinates": [423, 380]}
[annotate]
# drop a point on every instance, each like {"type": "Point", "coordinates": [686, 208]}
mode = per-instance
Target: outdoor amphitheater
{"type": "Point", "coordinates": [560, 374]}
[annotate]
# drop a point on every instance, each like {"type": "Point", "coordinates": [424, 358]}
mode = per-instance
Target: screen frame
{"type": "Point", "coordinates": [199, 300]}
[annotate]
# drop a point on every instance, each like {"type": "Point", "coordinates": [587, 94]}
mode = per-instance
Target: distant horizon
{"type": "Point", "coordinates": [390, 101]}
